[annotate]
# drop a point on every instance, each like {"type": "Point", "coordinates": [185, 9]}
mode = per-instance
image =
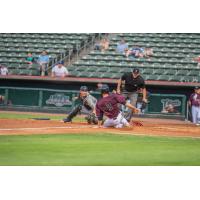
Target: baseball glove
{"type": "Point", "coordinates": [91, 119]}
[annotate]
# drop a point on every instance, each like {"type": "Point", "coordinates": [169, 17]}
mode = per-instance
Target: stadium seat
{"type": "Point", "coordinates": [152, 77]}
{"type": "Point", "coordinates": [163, 78]}
{"type": "Point", "coordinates": [170, 72]}
{"type": "Point", "coordinates": [182, 72]}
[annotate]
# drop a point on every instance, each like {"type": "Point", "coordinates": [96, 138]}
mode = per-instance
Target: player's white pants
{"type": "Point", "coordinates": [119, 122]}
{"type": "Point", "coordinates": [195, 114]}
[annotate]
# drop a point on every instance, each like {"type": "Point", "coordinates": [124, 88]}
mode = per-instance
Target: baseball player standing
{"type": "Point", "coordinates": [88, 103]}
{"type": "Point", "coordinates": [194, 102]}
{"type": "Point", "coordinates": [133, 83]}
{"type": "Point", "coordinates": [108, 106]}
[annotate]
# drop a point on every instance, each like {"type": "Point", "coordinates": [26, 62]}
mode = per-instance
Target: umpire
{"type": "Point", "coordinates": [132, 83]}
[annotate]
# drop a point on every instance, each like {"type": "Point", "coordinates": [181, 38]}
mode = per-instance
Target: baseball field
{"type": "Point", "coordinates": [28, 142]}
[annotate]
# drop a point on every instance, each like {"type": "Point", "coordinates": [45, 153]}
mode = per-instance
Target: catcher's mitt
{"type": "Point", "coordinates": [91, 119]}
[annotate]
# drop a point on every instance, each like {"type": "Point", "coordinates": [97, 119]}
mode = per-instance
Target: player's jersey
{"type": "Point", "coordinates": [109, 106]}
{"type": "Point", "coordinates": [89, 102]}
{"type": "Point", "coordinates": [195, 99]}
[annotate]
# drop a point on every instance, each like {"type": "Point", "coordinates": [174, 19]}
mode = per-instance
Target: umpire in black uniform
{"type": "Point", "coordinates": [132, 82]}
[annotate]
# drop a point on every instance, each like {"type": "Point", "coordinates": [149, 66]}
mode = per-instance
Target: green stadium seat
{"type": "Point", "coordinates": [163, 78]}
{"type": "Point", "coordinates": [92, 69]}
{"type": "Point", "coordinates": [182, 72]}
{"type": "Point", "coordinates": [13, 71]}
{"type": "Point", "coordinates": [159, 71]}
{"type": "Point", "coordinates": [151, 77]}
{"type": "Point", "coordinates": [117, 75]}
{"type": "Point", "coordinates": [194, 73]}
{"type": "Point", "coordinates": [148, 71]}
{"type": "Point", "coordinates": [103, 69]}
{"type": "Point", "coordinates": [170, 72]}
{"type": "Point", "coordinates": [176, 78]}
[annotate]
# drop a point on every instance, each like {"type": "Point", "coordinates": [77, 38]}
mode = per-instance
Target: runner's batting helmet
{"type": "Point", "coordinates": [105, 89]}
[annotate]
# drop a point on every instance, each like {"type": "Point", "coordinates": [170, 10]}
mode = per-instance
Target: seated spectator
{"type": "Point", "coordinates": [104, 44]}
{"type": "Point", "coordinates": [135, 51]}
{"type": "Point", "coordinates": [43, 61]}
{"type": "Point", "coordinates": [198, 60]}
{"type": "Point", "coordinates": [30, 58]}
{"type": "Point", "coordinates": [97, 45]}
{"type": "Point", "coordinates": [148, 52]}
{"type": "Point", "coordinates": [122, 46]}
{"type": "Point", "coordinates": [60, 70]}
{"type": "Point", "coordinates": [3, 70]}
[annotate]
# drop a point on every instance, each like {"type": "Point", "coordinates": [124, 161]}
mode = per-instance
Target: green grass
{"type": "Point", "coordinates": [97, 150]}
{"type": "Point", "coordinates": [29, 116]}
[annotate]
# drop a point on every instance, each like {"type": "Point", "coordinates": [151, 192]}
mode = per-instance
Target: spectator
{"type": "Point", "coordinates": [148, 52]}
{"type": "Point", "coordinates": [122, 46]}
{"type": "Point", "coordinates": [198, 60]}
{"type": "Point", "coordinates": [30, 58]}
{"type": "Point", "coordinates": [60, 70]}
{"type": "Point", "coordinates": [43, 61]}
{"type": "Point", "coordinates": [97, 45]}
{"type": "Point", "coordinates": [136, 52]}
{"type": "Point", "coordinates": [104, 44]}
{"type": "Point", "coordinates": [3, 70]}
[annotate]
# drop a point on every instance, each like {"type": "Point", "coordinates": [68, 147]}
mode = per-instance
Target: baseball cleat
{"type": "Point", "coordinates": [65, 120]}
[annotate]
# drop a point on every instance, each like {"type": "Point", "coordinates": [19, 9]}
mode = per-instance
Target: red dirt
{"type": "Point", "coordinates": [157, 127]}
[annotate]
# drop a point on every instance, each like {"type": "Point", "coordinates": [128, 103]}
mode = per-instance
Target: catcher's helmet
{"type": "Point", "coordinates": [84, 88]}
{"type": "Point", "coordinates": [104, 89]}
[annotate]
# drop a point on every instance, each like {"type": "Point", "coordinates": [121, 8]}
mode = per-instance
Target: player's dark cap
{"type": "Point", "coordinates": [197, 87]}
{"type": "Point", "coordinates": [136, 71]}
{"type": "Point", "coordinates": [84, 88]}
{"type": "Point", "coordinates": [105, 89]}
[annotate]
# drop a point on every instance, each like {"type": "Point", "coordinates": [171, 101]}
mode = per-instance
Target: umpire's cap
{"type": "Point", "coordinates": [105, 89]}
{"type": "Point", "coordinates": [136, 71]}
{"type": "Point", "coordinates": [84, 88]}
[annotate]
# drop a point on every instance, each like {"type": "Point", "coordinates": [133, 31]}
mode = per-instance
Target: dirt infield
{"type": "Point", "coordinates": [150, 127]}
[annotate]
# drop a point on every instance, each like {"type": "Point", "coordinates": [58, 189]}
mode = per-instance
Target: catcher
{"type": "Point", "coordinates": [88, 103]}
{"type": "Point", "coordinates": [108, 106]}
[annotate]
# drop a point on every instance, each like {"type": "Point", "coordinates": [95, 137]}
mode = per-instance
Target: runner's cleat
{"type": "Point", "coordinates": [66, 120]}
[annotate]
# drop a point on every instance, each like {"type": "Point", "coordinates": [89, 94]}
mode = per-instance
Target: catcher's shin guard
{"type": "Point", "coordinates": [73, 113]}
{"type": "Point", "coordinates": [91, 118]}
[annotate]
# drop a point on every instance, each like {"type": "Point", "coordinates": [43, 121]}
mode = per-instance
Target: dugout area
{"type": "Point", "coordinates": [44, 94]}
